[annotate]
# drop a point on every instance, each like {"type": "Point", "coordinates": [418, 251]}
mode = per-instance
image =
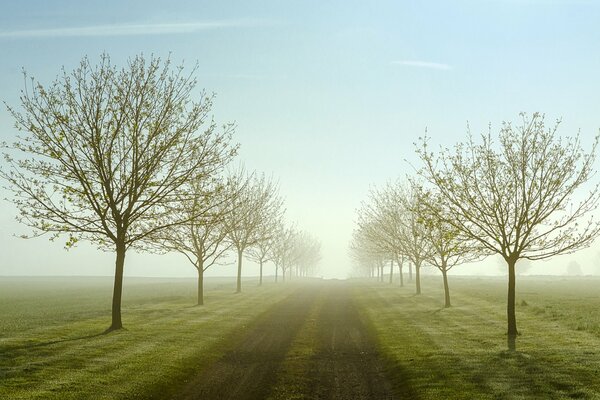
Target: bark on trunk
{"type": "Point", "coordinates": [200, 285]}
{"type": "Point", "coordinates": [239, 273]}
{"type": "Point", "coordinates": [391, 272]}
{"type": "Point", "coordinates": [260, 278]}
{"type": "Point", "coordinates": [446, 288]}
{"type": "Point", "coordinates": [418, 277]}
{"type": "Point", "coordinates": [510, 308]}
{"type": "Point", "coordinates": [118, 288]}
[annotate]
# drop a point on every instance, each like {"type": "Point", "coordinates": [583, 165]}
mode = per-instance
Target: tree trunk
{"type": "Point", "coordinates": [260, 278]}
{"type": "Point", "coordinates": [200, 285]}
{"type": "Point", "coordinates": [418, 276]}
{"type": "Point", "coordinates": [446, 288]}
{"type": "Point", "coordinates": [409, 272]}
{"type": "Point", "coordinates": [283, 275]}
{"type": "Point", "coordinates": [400, 273]}
{"type": "Point", "coordinates": [239, 272]}
{"type": "Point", "coordinates": [276, 272]}
{"type": "Point", "coordinates": [118, 288]}
{"type": "Point", "coordinates": [391, 271]}
{"type": "Point", "coordinates": [510, 308]}
{"type": "Point", "coordinates": [378, 273]}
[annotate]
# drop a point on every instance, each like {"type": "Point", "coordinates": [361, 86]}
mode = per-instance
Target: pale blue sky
{"type": "Point", "coordinates": [328, 95]}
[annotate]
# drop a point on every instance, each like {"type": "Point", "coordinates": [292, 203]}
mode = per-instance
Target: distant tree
{"type": "Point", "coordinates": [366, 250]}
{"type": "Point", "coordinates": [363, 253]}
{"type": "Point", "coordinates": [449, 247]}
{"type": "Point", "coordinates": [261, 251]}
{"type": "Point", "coordinates": [202, 239]}
{"type": "Point", "coordinates": [413, 236]}
{"type": "Point", "coordinates": [307, 254]}
{"type": "Point", "coordinates": [256, 203]}
{"type": "Point", "coordinates": [282, 252]}
{"type": "Point", "coordinates": [105, 152]}
{"type": "Point", "coordinates": [380, 223]}
{"type": "Point", "coordinates": [517, 198]}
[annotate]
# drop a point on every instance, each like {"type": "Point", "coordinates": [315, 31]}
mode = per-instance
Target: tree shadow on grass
{"type": "Point", "coordinates": [8, 349]}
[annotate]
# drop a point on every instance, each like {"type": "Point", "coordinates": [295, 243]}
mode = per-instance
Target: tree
{"type": "Point", "coordinates": [105, 153]}
{"type": "Point", "coordinates": [379, 222]}
{"type": "Point", "coordinates": [202, 239]}
{"type": "Point", "coordinates": [307, 254]}
{"type": "Point", "coordinates": [282, 251]}
{"type": "Point", "coordinates": [517, 198]}
{"type": "Point", "coordinates": [365, 248]}
{"type": "Point", "coordinates": [261, 252]}
{"type": "Point", "coordinates": [414, 241]}
{"type": "Point", "coordinates": [256, 201]}
{"type": "Point", "coordinates": [449, 247]}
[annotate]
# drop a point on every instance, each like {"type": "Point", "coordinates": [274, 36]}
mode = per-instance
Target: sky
{"type": "Point", "coordinates": [328, 96]}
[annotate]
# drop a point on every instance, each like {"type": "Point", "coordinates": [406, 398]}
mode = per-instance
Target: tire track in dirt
{"type": "Point", "coordinates": [250, 369]}
{"type": "Point", "coordinates": [346, 364]}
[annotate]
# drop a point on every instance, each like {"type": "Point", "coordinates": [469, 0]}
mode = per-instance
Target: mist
{"type": "Point", "coordinates": [311, 200]}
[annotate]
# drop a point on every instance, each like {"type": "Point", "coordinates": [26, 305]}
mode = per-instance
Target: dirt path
{"type": "Point", "coordinates": [249, 370]}
{"type": "Point", "coordinates": [343, 364]}
{"type": "Point", "coordinates": [346, 364]}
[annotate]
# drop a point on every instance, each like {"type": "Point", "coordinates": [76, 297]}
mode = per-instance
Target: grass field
{"type": "Point", "coordinates": [51, 347]}
{"type": "Point", "coordinates": [460, 353]}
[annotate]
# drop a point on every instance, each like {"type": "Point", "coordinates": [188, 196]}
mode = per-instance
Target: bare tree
{"type": "Point", "coordinates": [449, 247]}
{"type": "Point", "coordinates": [415, 244]}
{"type": "Point", "coordinates": [202, 239]}
{"type": "Point", "coordinates": [307, 254]}
{"type": "Point", "coordinates": [105, 152]}
{"type": "Point", "coordinates": [256, 201]}
{"type": "Point", "coordinates": [261, 251]}
{"type": "Point", "coordinates": [379, 222]}
{"type": "Point", "coordinates": [282, 251]}
{"type": "Point", "coordinates": [518, 198]}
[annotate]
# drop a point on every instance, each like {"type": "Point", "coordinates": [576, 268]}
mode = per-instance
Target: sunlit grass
{"type": "Point", "coordinates": [51, 345]}
{"type": "Point", "coordinates": [293, 375]}
{"type": "Point", "coordinates": [460, 353]}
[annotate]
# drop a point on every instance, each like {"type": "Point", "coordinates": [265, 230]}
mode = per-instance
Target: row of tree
{"type": "Point", "coordinates": [525, 194]}
{"type": "Point", "coordinates": [130, 158]}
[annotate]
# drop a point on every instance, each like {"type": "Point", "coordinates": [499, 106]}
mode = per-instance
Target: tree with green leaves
{"type": "Point", "coordinates": [105, 153]}
{"type": "Point", "coordinates": [525, 194]}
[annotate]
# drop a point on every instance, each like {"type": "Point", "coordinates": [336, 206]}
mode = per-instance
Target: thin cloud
{"type": "Point", "coordinates": [423, 64]}
{"type": "Point", "coordinates": [131, 29]}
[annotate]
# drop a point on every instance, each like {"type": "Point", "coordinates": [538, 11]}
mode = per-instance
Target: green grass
{"type": "Point", "coordinates": [292, 378]}
{"type": "Point", "coordinates": [51, 346]}
{"type": "Point", "coordinates": [460, 353]}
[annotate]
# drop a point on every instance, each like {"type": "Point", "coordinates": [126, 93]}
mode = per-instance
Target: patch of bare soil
{"type": "Point", "coordinates": [346, 364]}
{"type": "Point", "coordinates": [250, 369]}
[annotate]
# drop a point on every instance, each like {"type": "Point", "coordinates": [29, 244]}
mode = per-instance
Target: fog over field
{"type": "Point", "coordinates": [327, 97]}
{"type": "Point", "coordinates": [324, 200]}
